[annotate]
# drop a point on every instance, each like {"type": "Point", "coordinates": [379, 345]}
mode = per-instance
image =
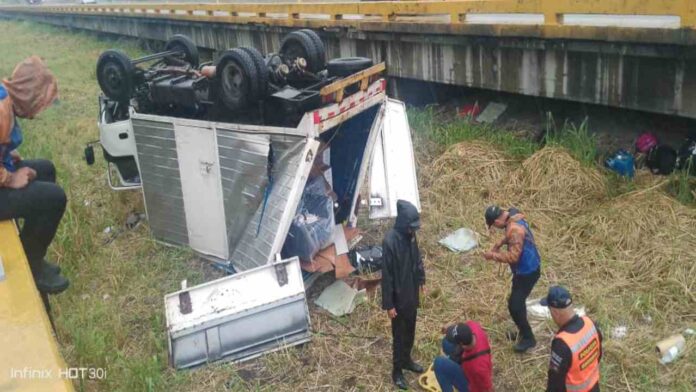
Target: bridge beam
{"type": "Point", "coordinates": [651, 77]}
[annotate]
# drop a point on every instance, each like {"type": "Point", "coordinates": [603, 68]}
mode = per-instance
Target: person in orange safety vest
{"type": "Point", "coordinates": [576, 349]}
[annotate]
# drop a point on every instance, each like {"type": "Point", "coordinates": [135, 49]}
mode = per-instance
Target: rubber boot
{"type": "Point", "coordinates": [50, 267]}
{"type": "Point", "coordinates": [414, 367]}
{"type": "Point", "coordinates": [524, 345]}
{"type": "Point", "coordinates": [46, 281]}
{"type": "Point", "coordinates": [400, 380]}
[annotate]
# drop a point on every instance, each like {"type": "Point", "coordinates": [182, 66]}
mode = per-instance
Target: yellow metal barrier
{"type": "Point", "coordinates": [29, 356]}
{"type": "Point", "coordinates": [452, 12]}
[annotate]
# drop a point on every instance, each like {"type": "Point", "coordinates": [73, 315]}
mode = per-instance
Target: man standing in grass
{"type": "Point", "coordinates": [27, 187]}
{"type": "Point", "coordinates": [524, 260]}
{"type": "Point", "coordinates": [577, 348]}
{"type": "Point", "coordinates": [403, 275]}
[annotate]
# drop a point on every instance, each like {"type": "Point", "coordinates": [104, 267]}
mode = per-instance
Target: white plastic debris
{"type": "Point", "coordinates": [461, 240]}
{"type": "Point", "coordinates": [619, 332]}
{"type": "Point", "coordinates": [670, 348]}
{"type": "Point", "coordinates": [340, 299]}
{"type": "Point", "coordinates": [491, 112]}
{"type": "Point", "coordinates": [108, 230]}
{"type": "Point", "coordinates": [537, 311]}
{"type": "Point", "coordinates": [689, 332]}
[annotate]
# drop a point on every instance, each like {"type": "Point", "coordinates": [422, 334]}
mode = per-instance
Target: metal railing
{"type": "Point", "coordinates": [671, 14]}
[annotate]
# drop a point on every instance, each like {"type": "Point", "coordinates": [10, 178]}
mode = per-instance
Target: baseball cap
{"type": "Point", "coordinates": [459, 333]}
{"type": "Point", "coordinates": [558, 297]}
{"type": "Point", "coordinates": [492, 213]}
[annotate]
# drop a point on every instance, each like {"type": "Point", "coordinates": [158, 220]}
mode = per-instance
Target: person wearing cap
{"type": "Point", "coordinates": [576, 350]}
{"type": "Point", "coordinates": [525, 263]}
{"type": "Point", "coordinates": [467, 365]}
{"type": "Point", "coordinates": [403, 275]}
{"type": "Point", "coordinates": [27, 187]}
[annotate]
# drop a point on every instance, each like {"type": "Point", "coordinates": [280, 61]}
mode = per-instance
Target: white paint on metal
{"type": "Point", "coordinates": [502, 18]}
{"type": "Point", "coordinates": [393, 168]}
{"type": "Point", "coordinates": [232, 295]}
{"type": "Point", "coordinates": [199, 167]}
{"type": "Point", "coordinates": [636, 21]}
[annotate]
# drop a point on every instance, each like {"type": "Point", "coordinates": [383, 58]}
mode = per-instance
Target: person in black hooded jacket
{"type": "Point", "coordinates": [403, 275]}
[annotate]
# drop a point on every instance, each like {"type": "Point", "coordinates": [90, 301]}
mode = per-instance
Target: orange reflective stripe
{"type": "Point", "coordinates": [583, 373]}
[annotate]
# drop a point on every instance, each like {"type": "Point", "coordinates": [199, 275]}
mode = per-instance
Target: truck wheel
{"type": "Point", "coordinates": [184, 44]}
{"type": "Point", "coordinates": [261, 71]}
{"type": "Point", "coordinates": [237, 79]}
{"type": "Point", "coordinates": [298, 44]}
{"type": "Point", "coordinates": [346, 66]}
{"type": "Point", "coordinates": [115, 75]}
{"type": "Point", "coordinates": [319, 44]}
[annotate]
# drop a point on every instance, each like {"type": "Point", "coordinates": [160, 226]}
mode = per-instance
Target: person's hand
{"type": "Point", "coordinates": [30, 172]}
{"type": "Point", "coordinates": [19, 179]}
{"type": "Point", "coordinates": [444, 329]}
{"type": "Point", "coordinates": [391, 313]}
{"type": "Point", "coordinates": [489, 255]}
{"type": "Point", "coordinates": [15, 156]}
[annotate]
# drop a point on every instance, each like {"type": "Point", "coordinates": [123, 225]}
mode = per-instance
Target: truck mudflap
{"type": "Point", "coordinates": [238, 317]}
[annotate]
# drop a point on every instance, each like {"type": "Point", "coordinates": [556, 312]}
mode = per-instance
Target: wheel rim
{"type": "Point", "coordinates": [114, 80]}
{"type": "Point", "coordinates": [233, 84]}
{"type": "Point", "coordinates": [294, 50]}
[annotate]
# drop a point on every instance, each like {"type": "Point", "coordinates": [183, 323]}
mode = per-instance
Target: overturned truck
{"type": "Point", "coordinates": [258, 193]}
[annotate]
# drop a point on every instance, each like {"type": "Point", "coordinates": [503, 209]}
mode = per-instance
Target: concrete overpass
{"type": "Point", "coordinates": [636, 54]}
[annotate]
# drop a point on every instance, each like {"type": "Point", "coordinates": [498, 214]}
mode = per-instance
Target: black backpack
{"type": "Point", "coordinates": [662, 159]}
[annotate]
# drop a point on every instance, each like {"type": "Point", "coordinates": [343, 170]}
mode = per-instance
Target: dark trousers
{"type": "Point", "coordinates": [403, 336]}
{"type": "Point", "coordinates": [40, 204]}
{"type": "Point", "coordinates": [522, 286]}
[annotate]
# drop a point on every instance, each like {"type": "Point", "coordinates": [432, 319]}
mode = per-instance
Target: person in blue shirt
{"type": "Point", "coordinates": [28, 189]}
{"type": "Point", "coordinates": [525, 263]}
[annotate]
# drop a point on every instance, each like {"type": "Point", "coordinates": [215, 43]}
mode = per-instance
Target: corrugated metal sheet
{"type": "Point", "coordinates": [258, 246]}
{"type": "Point", "coordinates": [159, 173]}
{"type": "Point", "coordinates": [243, 169]}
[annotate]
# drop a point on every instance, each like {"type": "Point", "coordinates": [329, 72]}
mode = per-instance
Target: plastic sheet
{"type": "Point", "coordinates": [312, 228]}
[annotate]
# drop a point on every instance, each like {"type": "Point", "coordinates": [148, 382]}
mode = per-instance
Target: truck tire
{"type": "Point", "coordinates": [261, 71]}
{"type": "Point", "coordinates": [115, 75]}
{"type": "Point", "coordinates": [187, 46]}
{"type": "Point", "coordinates": [319, 45]}
{"type": "Point", "coordinates": [236, 79]}
{"type": "Point", "coordinates": [298, 44]}
{"type": "Point", "coordinates": [346, 66]}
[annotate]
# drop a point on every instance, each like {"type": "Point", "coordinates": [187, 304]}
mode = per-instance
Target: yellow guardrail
{"type": "Point", "coordinates": [550, 12]}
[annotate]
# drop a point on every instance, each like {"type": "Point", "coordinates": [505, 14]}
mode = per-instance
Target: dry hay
{"type": "Point", "coordinates": [552, 179]}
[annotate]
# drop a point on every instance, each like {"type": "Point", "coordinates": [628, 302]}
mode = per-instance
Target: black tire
{"type": "Point", "coordinates": [187, 46]}
{"type": "Point", "coordinates": [346, 66]}
{"type": "Point", "coordinates": [319, 45]}
{"type": "Point", "coordinates": [115, 74]}
{"type": "Point", "coordinates": [236, 79]}
{"type": "Point", "coordinates": [298, 44]}
{"type": "Point", "coordinates": [261, 71]}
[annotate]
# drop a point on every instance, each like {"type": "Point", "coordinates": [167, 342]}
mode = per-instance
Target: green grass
{"type": "Point", "coordinates": [580, 142]}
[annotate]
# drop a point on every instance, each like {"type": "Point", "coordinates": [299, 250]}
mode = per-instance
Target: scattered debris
{"type": "Point", "coordinates": [689, 332]}
{"type": "Point", "coordinates": [367, 258]}
{"type": "Point", "coordinates": [619, 332]}
{"type": "Point", "coordinates": [134, 219]}
{"type": "Point", "coordinates": [491, 112]}
{"type": "Point", "coordinates": [369, 284]}
{"type": "Point", "coordinates": [108, 230]}
{"type": "Point", "coordinates": [670, 348]}
{"type": "Point", "coordinates": [460, 241]}
{"type": "Point", "coordinates": [622, 163]}
{"type": "Point", "coordinates": [340, 299]}
{"type": "Point", "coordinates": [106, 297]}
{"type": "Point", "coordinates": [469, 110]}
{"type": "Point", "coordinates": [537, 311]}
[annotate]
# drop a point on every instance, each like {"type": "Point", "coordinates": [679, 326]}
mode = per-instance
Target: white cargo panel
{"type": "Point", "coordinates": [238, 317]}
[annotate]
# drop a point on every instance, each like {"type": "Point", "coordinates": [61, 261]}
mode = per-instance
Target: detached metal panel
{"type": "Point", "coordinates": [158, 162]}
{"type": "Point", "coordinates": [238, 317]}
{"type": "Point", "coordinates": [393, 168]}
